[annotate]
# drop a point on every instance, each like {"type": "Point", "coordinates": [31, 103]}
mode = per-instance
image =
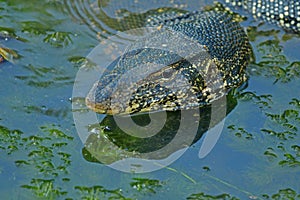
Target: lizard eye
{"type": "Point", "coordinates": [167, 74]}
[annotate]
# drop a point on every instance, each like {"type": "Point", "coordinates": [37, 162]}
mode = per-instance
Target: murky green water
{"type": "Point", "coordinates": [42, 156]}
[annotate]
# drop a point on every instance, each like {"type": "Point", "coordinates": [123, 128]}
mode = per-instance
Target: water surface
{"type": "Point", "coordinates": [42, 155]}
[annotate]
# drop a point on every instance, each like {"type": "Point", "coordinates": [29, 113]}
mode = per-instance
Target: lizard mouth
{"type": "Point", "coordinates": [96, 107]}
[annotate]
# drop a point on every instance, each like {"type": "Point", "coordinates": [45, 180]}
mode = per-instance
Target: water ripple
{"type": "Point", "coordinates": [92, 14]}
{"type": "Point", "coordinates": [104, 19]}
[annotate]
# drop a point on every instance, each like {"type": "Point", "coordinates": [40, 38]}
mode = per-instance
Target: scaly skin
{"type": "Point", "coordinates": [226, 53]}
{"type": "Point", "coordinates": [225, 42]}
{"type": "Point", "coordinates": [283, 13]}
